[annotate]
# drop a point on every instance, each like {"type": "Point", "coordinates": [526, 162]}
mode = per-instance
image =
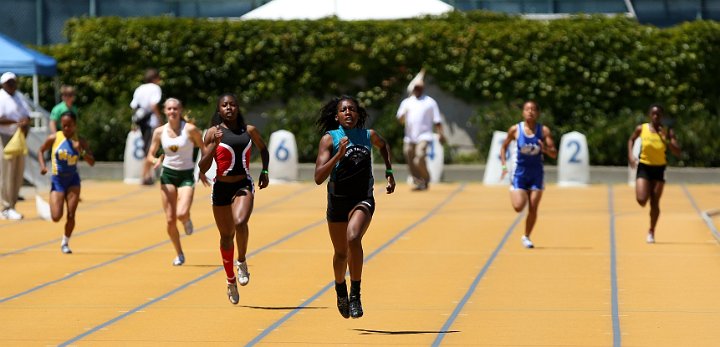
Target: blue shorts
{"type": "Point", "coordinates": [528, 179]}
{"type": "Point", "coordinates": [62, 182]}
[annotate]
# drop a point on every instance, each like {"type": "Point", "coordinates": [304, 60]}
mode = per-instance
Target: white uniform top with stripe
{"type": "Point", "coordinates": [178, 150]}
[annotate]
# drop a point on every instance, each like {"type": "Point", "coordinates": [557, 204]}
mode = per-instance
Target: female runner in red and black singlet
{"type": "Point", "coordinates": [229, 141]}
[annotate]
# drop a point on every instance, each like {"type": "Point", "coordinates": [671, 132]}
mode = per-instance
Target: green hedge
{"type": "Point", "coordinates": [596, 75]}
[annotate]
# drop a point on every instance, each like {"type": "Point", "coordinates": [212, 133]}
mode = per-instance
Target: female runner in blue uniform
{"type": "Point", "coordinates": [533, 139]}
{"type": "Point", "coordinates": [344, 155]}
{"type": "Point", "coordinates": [228, 142]}
{"type": "Point", "coordinates": [66, 149]}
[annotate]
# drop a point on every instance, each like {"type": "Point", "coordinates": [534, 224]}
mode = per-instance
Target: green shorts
{"type": "Point", "coordinates": [184, 178]}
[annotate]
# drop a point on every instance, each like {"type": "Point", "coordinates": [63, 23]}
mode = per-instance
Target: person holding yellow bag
{"type": "Point", "coordinates": [14, 117]}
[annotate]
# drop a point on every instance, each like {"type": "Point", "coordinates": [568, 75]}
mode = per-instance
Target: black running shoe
{"type": "Point", "coordinates": [343, 306]}
{"type": "Point", "coordinates": [356, 310]}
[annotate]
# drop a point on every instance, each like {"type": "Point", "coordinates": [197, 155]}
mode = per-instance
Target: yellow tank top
{"type": "Point", "coordinates": [652, 149]}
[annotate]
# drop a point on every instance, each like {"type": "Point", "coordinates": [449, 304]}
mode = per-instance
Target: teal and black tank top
{"type": "Point", "coordinates": [352, 175]}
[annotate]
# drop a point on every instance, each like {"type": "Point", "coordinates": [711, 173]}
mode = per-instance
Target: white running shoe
{"type": "Point", "coordinates": [243, 273]}
{"type": "Point", "coordinates": [526, 242]}
{"type": "Point", "coordinates": [233, 294]}
{"type": "Point", "coordinates": [188, 227]}
{"type": "Point", "coordinates": [11, 214]}
{"type": "Point", "coordinates": [66, 249]}
{"type": "Point", "coordinates": [650, 238]}
{"type": "Point", "coordinates": [179, 260]}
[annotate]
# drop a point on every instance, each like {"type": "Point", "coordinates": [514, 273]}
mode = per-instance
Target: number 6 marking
{"type": "Point", "coordinates": [282, 153]}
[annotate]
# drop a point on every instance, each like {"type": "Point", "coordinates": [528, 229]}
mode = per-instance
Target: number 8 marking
{"type": "Point", "coordinates": [139, 150]}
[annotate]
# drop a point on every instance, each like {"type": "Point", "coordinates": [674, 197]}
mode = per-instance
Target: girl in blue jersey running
{"type": "Point", "coordinates": [532, 139]}
{"type": "Point", "coordinates": [344, 155]}
{"type": "Point", "coordinates": [66, 150]}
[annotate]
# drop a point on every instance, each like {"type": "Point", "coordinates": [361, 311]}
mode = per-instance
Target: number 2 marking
{"type": "Point", "coordinates": [573, 158]}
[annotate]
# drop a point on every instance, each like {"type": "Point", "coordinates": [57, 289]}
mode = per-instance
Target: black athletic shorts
{"type": "Point", "coordinates": [224, 193]}
{"type": "Point", "coordinates": [651, 172]}
{"type": "Point", "coordinates": [338, 208]}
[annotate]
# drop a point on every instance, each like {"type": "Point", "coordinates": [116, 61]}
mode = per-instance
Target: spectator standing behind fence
{"type": "Point", "coordinates": [67, 93]}
{"type": "Point", "coordinates": [419, 113]}
{"type": "Point", "coordinates": [146, 114]}
{"type": "Point", "coordinates": [14, 116]}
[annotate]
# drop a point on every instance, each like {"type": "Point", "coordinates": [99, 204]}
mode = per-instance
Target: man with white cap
{"type": "Point", "coordinates": [147, 116]}
{"type": "Point", "coordinates": [419, 113]}
{"type": "Point", "coordinates": [14, 114]}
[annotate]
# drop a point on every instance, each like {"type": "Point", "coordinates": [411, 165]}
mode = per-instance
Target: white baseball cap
{"type": "Point", "coordinates": [7, 76]}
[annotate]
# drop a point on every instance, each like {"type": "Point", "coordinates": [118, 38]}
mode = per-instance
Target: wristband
{"type": "Point", "coordinates": [504, 167]}
{"type": "Point", "coordinates": [82, 153]}
{"type": "Point", "coordinates": [264, 172]}
{"type": "Point", "coordinates": [388, 171]}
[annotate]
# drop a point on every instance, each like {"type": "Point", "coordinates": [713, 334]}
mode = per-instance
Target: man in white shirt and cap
{"type": "Point", "coordinates": [14, 116]}
{"type": "Point", "coordinates": [146, 113]}
{"type": "Point", "coordinates": [420, 114]}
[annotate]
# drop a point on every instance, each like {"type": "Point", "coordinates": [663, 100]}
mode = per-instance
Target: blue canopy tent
{"type": "Point", "coordinates": [17, 58]}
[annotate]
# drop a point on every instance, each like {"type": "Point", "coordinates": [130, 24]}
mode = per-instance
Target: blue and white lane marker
{"type": "Point", "coordinates": [615, 311]}
{"type": "Point", "coordinates": [446, 327]}
{"type": "Point", "coordinates": [703, 214]}
{"type": "Point", "coordinates": [289, 315]}
{"type": "Point", "coordinates": [185, 285]}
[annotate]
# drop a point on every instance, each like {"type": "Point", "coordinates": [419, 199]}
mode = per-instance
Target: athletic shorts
{"type": "Point", "coordinates": [62, 182]}
{"type": "Point", "coordinates": [528, 180]}
{"type": "Point", "coordinates": [178, 178]}
{"type": "Point", "coordinates": [651, 172]}
{"type": "Point", "coordinates": [224, 193]}
{"type": "Point", "coordinates": [338, 208]}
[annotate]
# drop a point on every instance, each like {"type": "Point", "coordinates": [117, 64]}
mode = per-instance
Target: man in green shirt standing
{"type": "Point", "coordinates": [67, 104]}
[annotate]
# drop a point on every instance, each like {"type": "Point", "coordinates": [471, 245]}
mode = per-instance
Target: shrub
{"type": "Point", "coordinates": [596, 75]}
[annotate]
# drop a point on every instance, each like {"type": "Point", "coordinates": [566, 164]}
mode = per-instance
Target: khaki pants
{"type": "Point", "coordinates": [415, 154]}
{"type": "Point", "coordinates": [11, 176]}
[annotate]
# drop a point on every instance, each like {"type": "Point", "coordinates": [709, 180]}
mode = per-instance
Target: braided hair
{"type": "Point", "coordinates": [326, 121]}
